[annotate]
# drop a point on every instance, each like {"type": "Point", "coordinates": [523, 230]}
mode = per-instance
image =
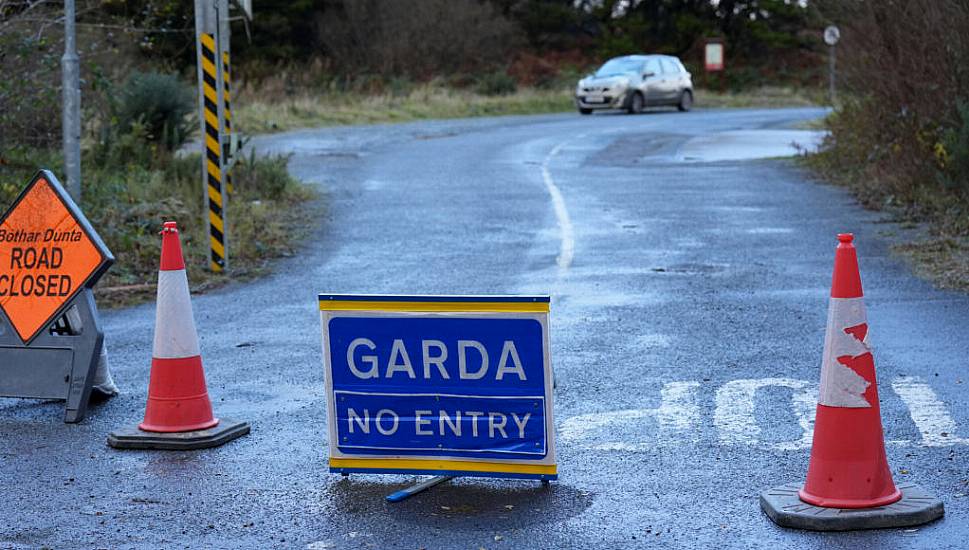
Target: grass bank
{"type": "Point", "coordinates": [933, 220]}
{"type": "Point", "coordinates": [919, 178]}
{"type": "Point", "coordinates": [268, 214]}
{"type": "Point", "coordinates": [264, 113]}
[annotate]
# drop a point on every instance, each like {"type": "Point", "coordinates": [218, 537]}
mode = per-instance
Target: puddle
{"type": "Point", "coordinates": [750, 145]}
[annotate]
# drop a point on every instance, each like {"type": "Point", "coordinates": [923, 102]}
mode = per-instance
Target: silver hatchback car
{"type": "Point", "coordinates": [633, 82]}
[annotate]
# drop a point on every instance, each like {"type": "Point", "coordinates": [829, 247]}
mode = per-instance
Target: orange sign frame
{"type": "Point", "coordinates": [49, 253]}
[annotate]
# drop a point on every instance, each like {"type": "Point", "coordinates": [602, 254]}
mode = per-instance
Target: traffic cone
{"type": "Point", "coordinates": [178, 414]}
{"type": "Point", "coordinates": [848, 469]}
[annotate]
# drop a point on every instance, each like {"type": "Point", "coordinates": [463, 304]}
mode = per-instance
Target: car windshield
{"type": "Point", "coordinates": [619, 65]}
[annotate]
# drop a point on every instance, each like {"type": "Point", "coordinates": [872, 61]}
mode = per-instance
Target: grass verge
{"type": "Point", "coordinates": [767, 97]}
{"type": "Point", "coordinates": [938, 247]}
{"type": "Point", "coordinates": [260, 114]}
{"type": "Point", "coordinates": [269, 213]}
{"type": "Point", "coordinates": [942, 260]}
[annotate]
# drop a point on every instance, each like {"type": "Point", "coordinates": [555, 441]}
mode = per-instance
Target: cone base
{"type": "Point", "coordinates": [132, 437]}
{"type": "Point", "coordinates": [160, 428]}
{"type": "Point", "coordinates": [822, 502]}
{"type": "Point", "coordinates": [784, 507]}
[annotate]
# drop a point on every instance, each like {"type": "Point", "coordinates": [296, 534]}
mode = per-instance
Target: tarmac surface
{"type": "Point", "coordinates": [689, 302]}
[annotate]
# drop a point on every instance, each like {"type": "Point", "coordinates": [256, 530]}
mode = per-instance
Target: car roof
{"type": "Point", "coordinates": [644, 57]}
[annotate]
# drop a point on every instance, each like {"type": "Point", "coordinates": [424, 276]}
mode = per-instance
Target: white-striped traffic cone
{"type": "Point", "coordinates": [178, 414]}
{"type": "Point", "coordinates": [849, 484]}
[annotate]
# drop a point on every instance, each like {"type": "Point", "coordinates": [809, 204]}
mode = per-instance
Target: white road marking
{"type": "Point", "coordinates": [928, 412]}
{"type": "Point", "coordinates": [678, 418]}
{"type": "Point", "coordinates": [734, 415]}
{"type": "Point", "coordinates": [567, 249]}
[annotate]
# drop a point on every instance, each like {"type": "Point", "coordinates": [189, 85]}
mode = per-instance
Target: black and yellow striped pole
{"type": "Point", "coordinates": [213, 37]}
{"type": "Point", "coordinates": [227, 114]}
{"type": "Point", "coordinates": [215, 197]}
{"type": "Point", "coordinates": [208, 16]}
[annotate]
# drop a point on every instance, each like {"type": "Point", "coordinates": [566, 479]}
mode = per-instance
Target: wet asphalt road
{"type": "Point", "coordinates": [703, 273]}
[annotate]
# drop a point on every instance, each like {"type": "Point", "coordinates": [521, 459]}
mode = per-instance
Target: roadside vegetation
{"type": "Point", "coordinates": [900, 135]}
{"type": "Point", "coordinates": [127, 204]}
{"type": "Point", "coordinates": [133, 181]}
{"type": "Point", "coordinates": [266, 112]}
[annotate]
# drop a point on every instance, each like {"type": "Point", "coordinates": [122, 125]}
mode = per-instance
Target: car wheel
{"type": "Point", "coordinates": [686, 101]}
{"type": "Point", "coordinates": [584, 111]}
{"type": "Point", "coordinates": [635, 104]}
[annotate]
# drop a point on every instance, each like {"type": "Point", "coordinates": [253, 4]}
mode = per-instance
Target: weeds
{"type": "Point", "coordinates": [268, 214]}
{"type": "Point", "coordinates": [496, 83]}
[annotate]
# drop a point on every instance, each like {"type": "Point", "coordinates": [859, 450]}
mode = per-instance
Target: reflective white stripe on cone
{"type": "Point", "coordinates": [175, 334]}
{"type": "Point", "coordinates": [840, 385]}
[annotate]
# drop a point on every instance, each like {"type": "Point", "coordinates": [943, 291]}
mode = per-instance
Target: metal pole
{"type": "Point", "coordinates": [831, 75]}
{"type": "Point", "coordinates": [225, 116]}
{"type": "Point", "coordinates": [70, 84]}
{"type": "Point", "coordinates": [210, 119]}
{"type": "Point", "coordinates": [221, 26]}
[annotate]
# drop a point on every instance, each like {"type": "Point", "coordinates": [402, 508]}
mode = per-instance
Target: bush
{"type": "Point", "coordinates": [496, 83]}
{"type": "Point", "coordinates": [952, 152]}
{"type": "Point", "coordinates": [901, 74]}
{"type": "Point", "coordinates": [416, 38]}
{"type": "Point", "coordinates": [29, 105]}
{"type": "Point", "coordinates": [161, 105]}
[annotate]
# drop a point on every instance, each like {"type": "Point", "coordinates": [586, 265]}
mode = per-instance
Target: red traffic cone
{"type": "Point", "coordinates": [178, 413]}
{"type": "Point", "coordinates": [848, 467]}
{"type": "Point", "coordinates": [178, 400]}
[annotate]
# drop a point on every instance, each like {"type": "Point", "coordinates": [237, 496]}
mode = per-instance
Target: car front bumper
{"type": "Point", "coordinates": [609, 101]}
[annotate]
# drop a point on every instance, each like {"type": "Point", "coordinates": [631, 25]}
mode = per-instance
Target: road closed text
{"type": "Point", "coordinates": [28, 273]}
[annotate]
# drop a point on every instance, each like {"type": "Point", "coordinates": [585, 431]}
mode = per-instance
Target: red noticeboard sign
{"type": "Point", "coordinates": [48, 254]}
{"type": "Point", "coordinates": [713, 56]}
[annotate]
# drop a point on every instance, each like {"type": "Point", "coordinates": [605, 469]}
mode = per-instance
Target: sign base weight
{"type": "Point", "coordinates": [133, 438]}
{"type": "Point", "coordinates": [783, 506]}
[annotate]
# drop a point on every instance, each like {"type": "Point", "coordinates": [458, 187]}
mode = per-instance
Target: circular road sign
{"type": "Point", "coordinates": [831, 35]}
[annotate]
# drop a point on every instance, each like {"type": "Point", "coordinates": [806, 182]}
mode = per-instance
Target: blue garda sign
{"type": "Point", "coordinates": [439, 384]}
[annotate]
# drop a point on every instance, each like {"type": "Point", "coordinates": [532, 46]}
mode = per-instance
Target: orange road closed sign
{"type": "Point", "coordinates": [48, 254]}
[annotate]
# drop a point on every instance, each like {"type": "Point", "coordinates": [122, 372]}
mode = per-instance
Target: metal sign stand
{"type": "Point", "coordinates": [57, 364]}
{"type": "Point", "coordinates": [405, 494]}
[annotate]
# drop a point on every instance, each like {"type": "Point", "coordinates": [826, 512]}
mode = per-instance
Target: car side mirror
{"type": "Point", "coordinates": [648, 74]}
